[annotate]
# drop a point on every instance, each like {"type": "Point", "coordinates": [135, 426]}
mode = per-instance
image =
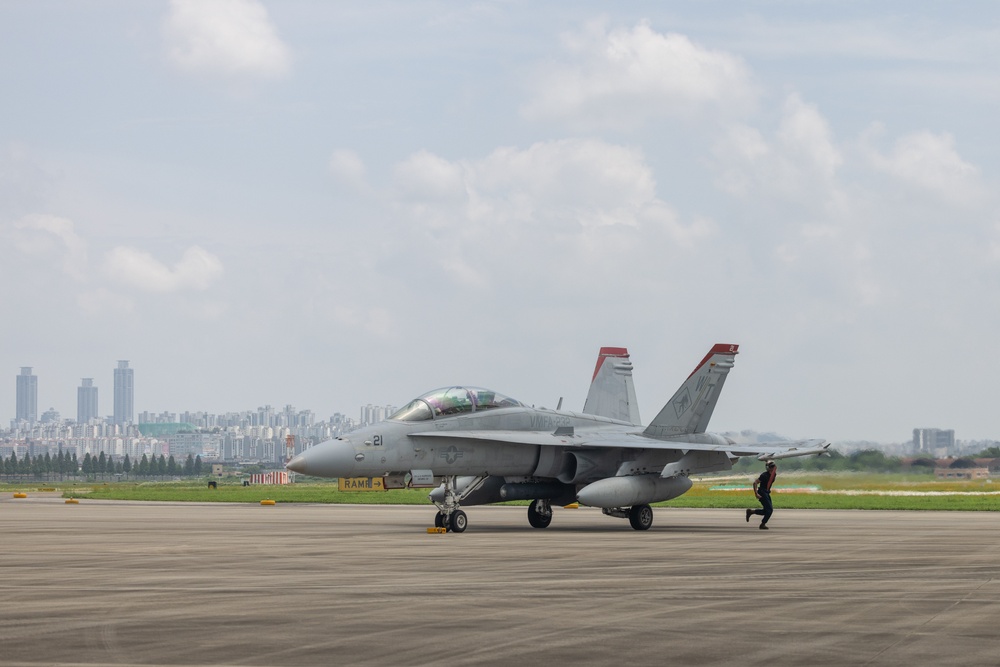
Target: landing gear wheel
{"type": "Point", "coordinates": [538, 519]}
{"type": "Point", "coordinates": [641, 517]}
{"type": "Point", "coordinates": [439, 520]}
{"type": "Point", "coordinates": [459, 522]}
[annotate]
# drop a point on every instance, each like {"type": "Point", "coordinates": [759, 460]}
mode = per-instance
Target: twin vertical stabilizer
{"type": "Point", "coordinates": [690, 409]}
{"type": "Point", "coordinates": [612, 393]}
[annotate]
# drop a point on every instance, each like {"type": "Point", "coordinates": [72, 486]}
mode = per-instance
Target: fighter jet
{"type": "Point", "coordinates": [478, 446]}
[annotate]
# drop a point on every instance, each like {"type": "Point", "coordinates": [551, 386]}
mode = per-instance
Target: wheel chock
{"type": "Point", "coordinates": [572, 506]}
{"type": "Point", "coordinates": [72, 501]}
{"type": "Point", "coordinates": [20, 495]}
{"type": "Point", "coordinates": [267, 502]}
{"type": "Point", "coordinates": [437, 530]}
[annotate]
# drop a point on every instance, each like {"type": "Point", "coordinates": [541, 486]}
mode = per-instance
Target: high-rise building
{"type": "Point", "coordinates": [27, 396]}
{"type": "Point", "coordinates": [86, 401]}
{"type": "Point", "coordinates": [124, 394]}
{"type": "Point", "coordinates": [933, 441]}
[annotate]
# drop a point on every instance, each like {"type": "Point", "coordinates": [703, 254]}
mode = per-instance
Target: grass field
{"type": "Point", "coordinates": [832, 491]}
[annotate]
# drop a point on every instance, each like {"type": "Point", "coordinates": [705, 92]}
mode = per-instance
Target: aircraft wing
{"type": "Point", "coordinates": [589, 440]}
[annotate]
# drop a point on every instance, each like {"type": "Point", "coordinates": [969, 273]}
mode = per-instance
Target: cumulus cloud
{"type": "Point", "coordinates": [49, 236]}
{"type": "Point", "coordinates": [569, 210]}
{"type": "Point", "coordinates": [799, 162]}
{"type": "Point", "coordinates": [570, 184]}
{"type": "Point", "coordinates": [196, 270]}
{"type": "Point", "coordinates": [928, 162]}
{"type": "Point", "coordinates": [224, 37]}
{"type": "Point", "coordinates": [621, 77]}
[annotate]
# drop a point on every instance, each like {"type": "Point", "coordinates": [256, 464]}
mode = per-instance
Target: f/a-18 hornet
{"type": "Point", "coordinates": [479, 446]}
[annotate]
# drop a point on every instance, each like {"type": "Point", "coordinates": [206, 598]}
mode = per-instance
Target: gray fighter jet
{"type": "Point", "coordinates": [478, 446]}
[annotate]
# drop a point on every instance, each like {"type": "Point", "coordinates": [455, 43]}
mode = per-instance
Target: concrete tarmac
{"type": "Point", "coordinates": [113, 583]}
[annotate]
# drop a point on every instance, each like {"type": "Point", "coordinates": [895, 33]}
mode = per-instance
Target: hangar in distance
{"type": "Point", "coordinates": [480, 446]}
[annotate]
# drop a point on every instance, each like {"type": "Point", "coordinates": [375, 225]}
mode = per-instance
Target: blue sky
{"type": "Point", "coordinates": [328, 204]}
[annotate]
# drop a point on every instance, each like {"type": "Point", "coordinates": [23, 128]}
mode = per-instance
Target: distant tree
{"type": "Point", "coordinates": [47, 465]}
{"type": "Point", "coordinates": [989, 453]}
{"type": "Point", "coordinates": [161, 465]}
{"type": "Point", "coordinates": [101, 465]}
{"type": "Point", "coordinates": [111, 465]}
{"type": "Point", "coordinates": [126, 466]}
{"type": "Point", "coordinates": [171, 465]}
{"type": "Point", "coordinates": [12, 464]}
{"type": "Point", "coordinates": [924, 463]}
{"type": "Point", "coordinates": [88, 466]}
{"type": "Point", "coordinates": [189, 465]}
{"type": "Point", "coordinates": [119, 467]}
{"type": "Point", "coordinates": [3, 466]}
{"type": "Point", "coordinates": [197, 465]}
{"type": "Point", "coordinates": [75, 465]}
{"type": "Point", "coordinates": [873, 460]}
{"type": "Point", "coordinates": [143, 466]}
{"type": "Point", "coordinates": [963, 463]}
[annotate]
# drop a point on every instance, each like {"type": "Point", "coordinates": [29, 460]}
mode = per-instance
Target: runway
{"type": "Point", "coordinates": [112, 583]}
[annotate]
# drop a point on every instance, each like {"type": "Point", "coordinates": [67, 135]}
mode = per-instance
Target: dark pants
{"type": "Point", "coordinates": [765, 500]}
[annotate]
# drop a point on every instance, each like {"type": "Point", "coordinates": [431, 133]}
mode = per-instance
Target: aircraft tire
{"type": "Point", "coordinates": [459, 521]}
{"type": "Point", "coordinates": [641, 517]}
{"type": "Point", "coordinates": [536, 518]}
{"type": "Point", "coordinates": [439, 520]}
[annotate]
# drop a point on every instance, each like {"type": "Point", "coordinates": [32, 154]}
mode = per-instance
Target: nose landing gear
{"type": "Point", "coordinates": [449, 516]}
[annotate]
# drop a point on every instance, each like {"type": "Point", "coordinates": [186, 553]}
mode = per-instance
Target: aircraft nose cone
{"type": "Point", "coordinates": [333, 458]}
{"type": "Point", "coordinates": [297, 464]}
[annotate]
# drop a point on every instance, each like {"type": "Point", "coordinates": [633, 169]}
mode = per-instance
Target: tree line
{"type": "Point", "coordinates": [103, 467]}
{"type": "Point", "coordinates": [867, 460]}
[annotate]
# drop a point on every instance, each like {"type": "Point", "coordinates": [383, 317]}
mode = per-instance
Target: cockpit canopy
{"type": "Point", "coordinates": [451, 401]}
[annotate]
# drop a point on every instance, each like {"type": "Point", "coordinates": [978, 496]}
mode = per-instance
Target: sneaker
{"type": "Point", "coordinates": [763, 526]}
{"type": "Point", "coordinates": [749, 514]}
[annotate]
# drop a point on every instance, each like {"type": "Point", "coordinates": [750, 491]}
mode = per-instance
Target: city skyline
{"type": "Point", "coordinates": [87, 402]}
{"type": "Point", "coordinates": [123, 380]}
{"type": "Point", "coordinates": [372, 412]}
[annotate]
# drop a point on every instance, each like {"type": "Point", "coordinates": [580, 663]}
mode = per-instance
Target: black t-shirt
{"type": "Point", "coordinates": [764, 482]}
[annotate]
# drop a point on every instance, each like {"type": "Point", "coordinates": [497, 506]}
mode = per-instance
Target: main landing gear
{"type": "Point", "coordinates": [640, 516]}
{"type": "Point", "coordinates": [540, 513]}
{"type": "Point", "coordinates": [449, 516]}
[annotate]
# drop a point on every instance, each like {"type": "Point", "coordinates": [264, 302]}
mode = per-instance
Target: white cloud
{"type": "Point", "coordinates": [805, 134]}
{"type": "Point", "coordinates": [799, 163]}
{"type": "Point", "coordinates": [348, 169]}
{"type": "Point", "coordinates": [575, 210]}
{"type": "Point", "coordinates": [196, 270]}
{"type": "Point", "coordinates": [623, 77]}
{"type": "Point", "coordinates": [569, 185]}
{"type": "Point", "coordinates": [930, 163]}
{"type": "Point", "coordinates": [225, 37]}
{"type": "Point", "coordinates": [45, 236]}
{"type": "Point", "coordinates": [424, 176]}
